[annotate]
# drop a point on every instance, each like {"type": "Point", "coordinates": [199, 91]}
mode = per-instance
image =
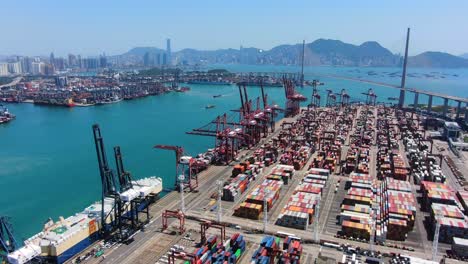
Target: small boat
{"type": "Point", "coordinates": [210, 106]}
{"type": "Point", "coordinates": [392, 98]}
{"type": "Point", "coordinates": [217, 95]}
{"type": "Point", "coordinates": [5, 115]}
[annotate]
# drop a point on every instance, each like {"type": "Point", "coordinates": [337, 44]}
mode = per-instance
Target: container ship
{"type": "Point", "coordinates": [61, 240]}
{"type": "Point", "coordinates": [51, 101]}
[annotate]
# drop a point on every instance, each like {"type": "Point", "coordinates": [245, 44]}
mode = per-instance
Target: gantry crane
{"type": "Point", "coordinates": [331, 98]}
{"type": "Point", "coordinates": [135, 206]}
{"type": "Point", "coordinates": [371, 97]}
{"type": "Point", "coordinates": [109, 186]}
{"type": "Point", "coordinates": [7, 239]}
{"type": "Point", "coordinates": [344, 98]}
{"type": "Point", "coordinates": [186, 257]}
{"type": "Point", "coordinates": [227, 138]}
{"type": "Point", "coordinates": [205, 225]}
{"type": "Point", "coordinates": [315, 100]}
{"type": "Point", "coordinates": [167, 214]}
{"type": "Point", "coordinates": [293, 99]}
{"type": "Point", "coordinates": [188, 168]}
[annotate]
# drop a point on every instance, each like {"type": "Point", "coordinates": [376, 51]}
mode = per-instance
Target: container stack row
{"type": "Point", "coordinates": [252, 207]}
{"type": "Point", "coordinates": [227, 252]}
{"type": "Point", "coordinates": [356, 208]}
{"type": "Point", "coordinates": [282, 173]}
{"type": "Point", "coordinates": [397, 210]}
{"type": "Point", "coordinates": [299, 210]}
{"type": "Point", "coordinates": [272, 251]}
{"type": "Point", "coordinates": [296, 158]}
{"type": "Point", "coordinates": [446, 209]}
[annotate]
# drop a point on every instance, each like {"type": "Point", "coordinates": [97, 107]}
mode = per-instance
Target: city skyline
{"type": "Point", "coordinates": [90, 28]}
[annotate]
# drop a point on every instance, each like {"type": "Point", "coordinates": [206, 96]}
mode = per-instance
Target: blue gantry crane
{"type": "Point", "coordinates": [7, 239]}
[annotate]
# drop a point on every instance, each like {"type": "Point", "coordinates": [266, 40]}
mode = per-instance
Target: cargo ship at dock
{"type": "Point", "coordinates": [55, 102]}
{"type": "Point", "coordinates": [61, 240]}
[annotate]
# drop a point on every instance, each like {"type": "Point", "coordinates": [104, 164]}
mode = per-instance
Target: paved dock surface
{"type": "Point", "coordinates": [150, 245]}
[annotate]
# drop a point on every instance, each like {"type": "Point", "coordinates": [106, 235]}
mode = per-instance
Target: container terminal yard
{"type": "Point", "coordinates": [341, 180]}
{"type": "Point", "coordinates": [350, 182]}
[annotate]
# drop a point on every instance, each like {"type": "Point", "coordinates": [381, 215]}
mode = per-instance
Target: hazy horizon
{"type": "Point", "coordinates": [91, 28]}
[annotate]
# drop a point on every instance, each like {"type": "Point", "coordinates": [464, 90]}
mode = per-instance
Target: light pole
{"type": "Point", "coordinates": [220, 193]}
{"type": "Point", "coordinates": [265, 210]}
{"type": "Point", "coordinates": [182, 198]}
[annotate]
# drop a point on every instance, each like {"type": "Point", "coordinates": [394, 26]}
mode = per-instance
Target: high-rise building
{"type": "Point", "coordinates": [91, 63]}
{"type": "Point", "coordinates": [164, 60]}
{"type": "Point", "coordinates": [72, 60]}
{"type": "Point", "coordinates": [168, 51]}
{"type": "Point", "coordinates": [147, 59]}
{"type": "Point", "coordinates": [37, 67]}
{"type": "Point", "coordinates": [80, 62]}
{"type": "Point", "coordinates": [49, 69]}
{"type": "Point", "coordinates": [158, 59]}
{"type": "Point", "coordinates": [3, 69]}
{"type": "Point", "coordinates": [14, 68]}
{"type": "Point", "coordinates": [103, 61]}
{"type": "Point", "coordinates": [59, 64]}
{"type": "Point", "coordinates": [25, 64]}
{"type": "Point", "coordinates": [52, 58]}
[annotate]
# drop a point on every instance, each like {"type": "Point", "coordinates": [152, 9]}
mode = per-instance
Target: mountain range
{"type": "Point", "coordinates": [326, 52]}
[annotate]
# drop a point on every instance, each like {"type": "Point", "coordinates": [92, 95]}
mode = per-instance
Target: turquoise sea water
{"type": "Point", "coordinates": [48, 164]}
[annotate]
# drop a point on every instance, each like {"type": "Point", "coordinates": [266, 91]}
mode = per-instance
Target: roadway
{"type": "Point", "coordinates": [12, 83]}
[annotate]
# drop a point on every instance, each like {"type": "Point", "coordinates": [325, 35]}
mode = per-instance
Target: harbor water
{"type": "Point", "coordinates": [48, 165]}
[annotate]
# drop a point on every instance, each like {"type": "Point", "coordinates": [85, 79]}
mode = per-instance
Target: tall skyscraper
{"type": "Point", "coordinates": [168, 52]}
{"type": "Point", "coordinates": [52, 58]}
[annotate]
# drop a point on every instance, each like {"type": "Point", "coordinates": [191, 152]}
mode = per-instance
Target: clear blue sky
{"type": "Point", "coordinates": [37, 27]}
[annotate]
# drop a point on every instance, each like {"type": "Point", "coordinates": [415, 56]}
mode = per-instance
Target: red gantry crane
{"type": "Point", "coordinates": [185, 165]}
{"type": "Point", "coordinates": [293, 98]}
{"type": "Point", "coordinates": [167, 214]}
